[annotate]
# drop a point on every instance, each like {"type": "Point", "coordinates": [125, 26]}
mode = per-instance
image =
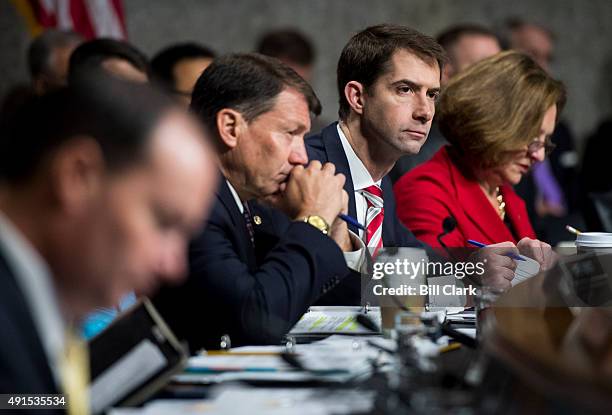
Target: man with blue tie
{"type": "Point", "coordinates": [256, 269]}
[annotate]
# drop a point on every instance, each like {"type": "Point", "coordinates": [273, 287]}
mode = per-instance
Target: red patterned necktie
{"type": "Point", "coordinates": [374, 216]}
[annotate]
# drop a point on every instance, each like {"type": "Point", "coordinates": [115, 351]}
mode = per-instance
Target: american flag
{"type": "Point", "coordinates": [90, 18]}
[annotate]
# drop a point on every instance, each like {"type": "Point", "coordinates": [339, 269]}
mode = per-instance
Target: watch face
{"type": "Point", "coordinates": [319, 223]}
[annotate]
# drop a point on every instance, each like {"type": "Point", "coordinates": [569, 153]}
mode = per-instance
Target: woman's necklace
{"type": "Point", "coordinates": [501, 205]}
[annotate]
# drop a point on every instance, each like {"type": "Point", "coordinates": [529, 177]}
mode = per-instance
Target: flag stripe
{"type": "Point", "coordinates": [90, 18]}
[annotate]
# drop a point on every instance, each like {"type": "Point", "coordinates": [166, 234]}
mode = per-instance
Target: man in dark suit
{"type": "Point", "coordinates": [387, 102]}
{"type": "Point", "coordinates": [388, 83]}
{"type": "Point", "coordinates": [256, 269]}
{"type": "Point", "coordinates": [101, 186]}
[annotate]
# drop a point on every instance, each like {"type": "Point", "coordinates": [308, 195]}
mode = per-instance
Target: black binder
{"type": "Point", "coordinates": [133, 358]}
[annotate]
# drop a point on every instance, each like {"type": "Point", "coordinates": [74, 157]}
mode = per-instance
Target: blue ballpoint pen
{"type": "Point", "coordinates": [352, 221]}
{"type": "Point", "coordinates": [481, 245]}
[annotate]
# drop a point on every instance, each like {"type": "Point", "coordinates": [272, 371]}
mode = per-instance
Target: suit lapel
{"type": "Point", "coordinates": [335, 154]}
{"type": "Point", "coordinates": [242, 234]}
{"type": "Point", "coordinates": [388, 231]}
{"type": "Point", "coordinates": [14, 300]}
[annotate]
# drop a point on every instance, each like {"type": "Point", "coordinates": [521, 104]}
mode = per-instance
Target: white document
{"type": "Point", "coordinates": [254, 401]}
{"type": "Point", "coordinates": [525, 270]}
{"type": "Point", "coordinates": [294, 401]}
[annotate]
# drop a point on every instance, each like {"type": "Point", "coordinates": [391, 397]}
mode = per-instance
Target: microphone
{"type": "Point", "coordinates": [448, 225]}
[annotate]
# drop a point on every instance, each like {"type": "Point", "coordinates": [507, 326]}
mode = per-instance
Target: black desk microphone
{"type": "Point", "coordinates": [448, 225]}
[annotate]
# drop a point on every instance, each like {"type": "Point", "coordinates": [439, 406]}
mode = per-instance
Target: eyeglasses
{"type": "Point", "coordinates": [536, 145]}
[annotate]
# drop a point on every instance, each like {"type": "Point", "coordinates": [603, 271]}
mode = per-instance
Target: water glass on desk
{"type": "Point", "coordinates": [486, 296]}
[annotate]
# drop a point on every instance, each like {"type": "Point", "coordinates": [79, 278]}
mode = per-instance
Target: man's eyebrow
{"type": "Point", "coordinates": [413, 84]}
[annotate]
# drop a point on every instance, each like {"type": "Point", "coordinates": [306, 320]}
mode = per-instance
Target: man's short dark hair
{"type": "Point", "coordinates": [41, 48]}
{"type": "Point", "coordinates": [248, 83]}
{"type": "Point", "coordinates": [287, 44]}
{"type": "Point", "coordinates": [90, 56]}
{"type": "Point", "coordinates": [118, 114]}
{"type": "Point", "coordinates": [367, 55]}
{"type": "Point", "coordinates": [162, 64]}
{"type": "Point", "coordinates": [449, 37]}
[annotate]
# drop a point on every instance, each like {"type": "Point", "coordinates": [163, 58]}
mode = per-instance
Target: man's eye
{"type": "Point", "coordinates": [404, 89]}
{"type": "Point", "coordinates": [433, 95]}
{"type": "Point", "coordinates": [163, 220]}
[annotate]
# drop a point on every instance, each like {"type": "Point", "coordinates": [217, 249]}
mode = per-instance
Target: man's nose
{"type": "Point", "coordinates": [172, 262]}
{"type": "Point", "coordinates": [298, 153]}
{"type": "Point", "coordinates": [424, 110]}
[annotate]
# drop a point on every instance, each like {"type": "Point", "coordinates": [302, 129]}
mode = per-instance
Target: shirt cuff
{"type": "Point", "coordinates": [354, 259]}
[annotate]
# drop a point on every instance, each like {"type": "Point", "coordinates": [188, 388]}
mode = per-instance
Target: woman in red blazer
{"type": "Point", "coordinates": [497, 116]}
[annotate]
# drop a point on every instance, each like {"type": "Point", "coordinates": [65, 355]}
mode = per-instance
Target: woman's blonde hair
{"type": "Point", "coordinates": [496, 106]}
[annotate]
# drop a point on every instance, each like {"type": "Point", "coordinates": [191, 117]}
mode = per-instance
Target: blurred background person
{"type": "Point", "coordinates": [48, 58]}
{"type": "Point", "coordinates": [464, 45]}
{"type": "Point", "coordinates": [498, 116]}
{"type": "Point", "coordinates": [292, 48]}
{"type": "Point", "coordinates": [551, 191]}
{"type": "Point", "coordinates": [100, 186]}
{"type": "Point", "coordinates": [296, 50]}
{"type": "Point", "coordinates": [116, 57]}
{"type": "Point", "coordinates": [177, 67]}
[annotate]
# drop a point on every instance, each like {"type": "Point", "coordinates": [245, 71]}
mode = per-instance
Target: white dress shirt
{"type": "Point", "coordinates": [236, 197]}
{"type": "Point", "coordinates": [361, 179]}
{"type": "Point", "coordinates": [34, 279]}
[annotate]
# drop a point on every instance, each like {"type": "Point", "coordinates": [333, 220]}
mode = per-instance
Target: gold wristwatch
{"type": "Point", "coordinates": [318, 222]}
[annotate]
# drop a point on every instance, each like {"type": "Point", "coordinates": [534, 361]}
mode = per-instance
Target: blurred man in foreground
{"type": "Point", "coordinates": [101, 186]}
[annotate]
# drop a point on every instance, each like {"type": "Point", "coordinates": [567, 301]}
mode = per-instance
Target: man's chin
{"type": "Point", "coordinates": [411, 148]}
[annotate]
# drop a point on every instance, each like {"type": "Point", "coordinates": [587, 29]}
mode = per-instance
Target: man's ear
{"type": "Point", "coordinates": [354, 94]}
{"type": "Point", "coordinates": [230, 125]}
{"type": "Point", "coordinates": [77, 170]}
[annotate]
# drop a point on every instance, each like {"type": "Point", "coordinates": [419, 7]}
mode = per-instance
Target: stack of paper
{"type": "Point", "coordinates": [525, 270]}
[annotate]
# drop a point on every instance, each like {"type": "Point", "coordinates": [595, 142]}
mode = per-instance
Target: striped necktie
{"type": "Point", "coordinates": [374, 216]}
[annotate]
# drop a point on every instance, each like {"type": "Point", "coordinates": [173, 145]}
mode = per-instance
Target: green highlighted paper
{"type": "Point", "coordinates": [334, 320]}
